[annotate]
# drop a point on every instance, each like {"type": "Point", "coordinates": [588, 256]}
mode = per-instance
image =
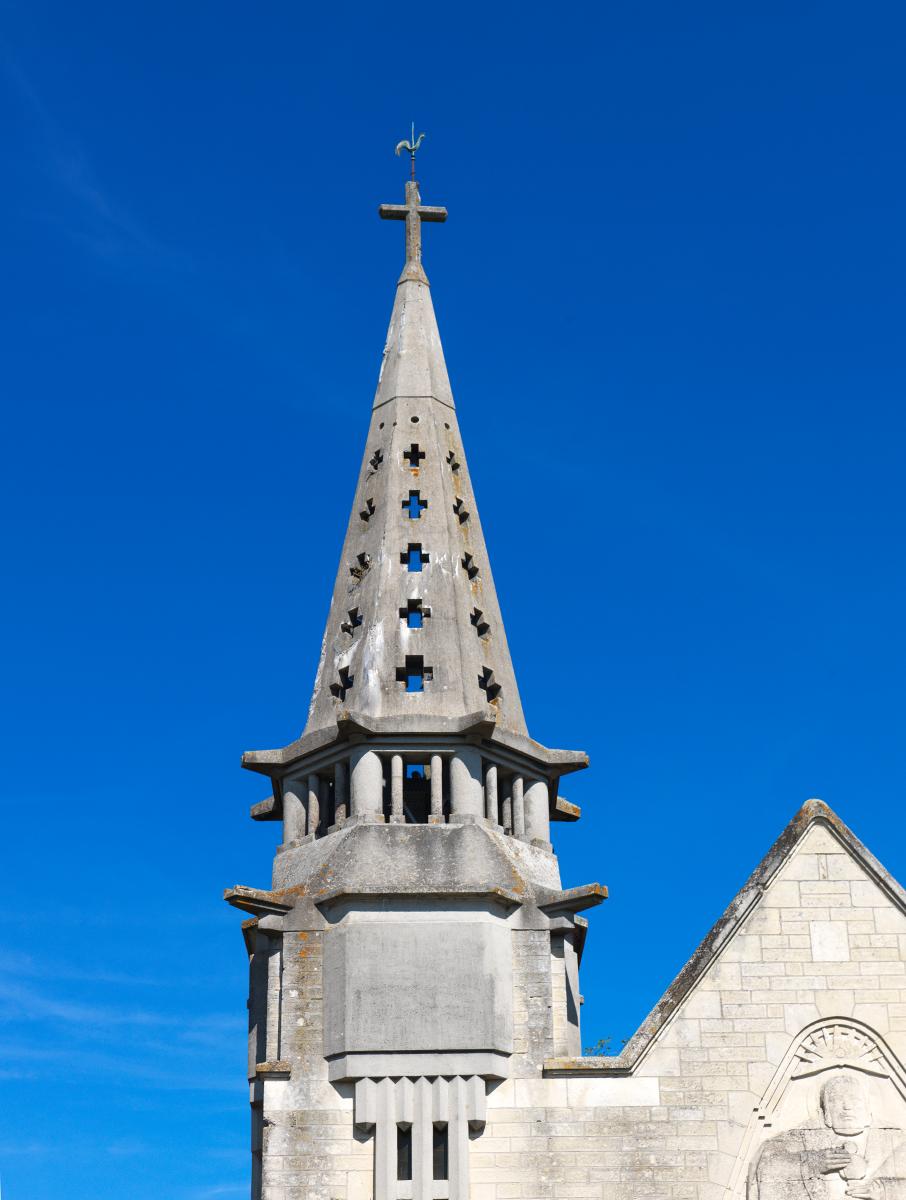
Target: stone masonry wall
{"type": "Point", "coordinates": [824, 942]}
{"type": "Point", "coordinates": [311, 1149]}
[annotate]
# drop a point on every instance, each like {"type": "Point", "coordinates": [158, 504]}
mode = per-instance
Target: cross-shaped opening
{"type": "Point", "coordinates": [360, 566]}
{"type": "Point", "coordinates": [368, 511]}
{"type": "Point", "coordinates": [414, 674]}
{"type": "Point", "coordinates": [355, 620]}
{"type": "Point", "coordinates": [376, 459]}
{"type": "Point", "coordinates": [414, 558]}
{"type": "Point", "coordinates": [414, 455]}
{"type": "Point", "coordinates": [343, 683]}
{"type": "Point", "coordinates": [415, 505]}
{"type": "Point", "coordinates": [469, 566]}
{"type": "Point", "coordinates": [487, 684]}
{"type": "Point", "coordinates": [461, 511]}
{"type": "Point", "coordinates": [414, 614]}
{"type": "Point", "coordinates": [477, 618]}
{"type": "Point", "coordinates": [451, 459]}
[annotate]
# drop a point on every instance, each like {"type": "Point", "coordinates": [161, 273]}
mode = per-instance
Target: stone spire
{"type": "Point", "coordinates": [415, 672]}
{"type": "Point", "coordinates": [414, 629]}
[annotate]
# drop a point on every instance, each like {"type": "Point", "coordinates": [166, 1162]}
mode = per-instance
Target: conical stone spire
{"type": "Point", "coordinates": [414, 636]}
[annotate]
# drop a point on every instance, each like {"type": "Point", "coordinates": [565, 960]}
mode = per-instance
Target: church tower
{"type": "Point", "coordinates": [415, 947]}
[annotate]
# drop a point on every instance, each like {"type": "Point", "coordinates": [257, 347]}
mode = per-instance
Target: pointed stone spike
{"type": "Point", "coordinates": [413, 361]}
{"type": "Point", "coordinates": [405, 1101]}
{"type": "Point", "coordinates": [365, 1102]}
{"type": "Point", "coordinates": [440, 1107]}
{"type": "Point", "coordinates": [476, 1101]}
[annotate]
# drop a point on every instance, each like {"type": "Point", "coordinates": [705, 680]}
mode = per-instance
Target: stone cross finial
{"type": "Point", "coordinates": [413, 212]}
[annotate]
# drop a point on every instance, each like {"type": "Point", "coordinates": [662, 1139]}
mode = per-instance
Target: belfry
{"type": "Point", "coordinates": [414, 965]}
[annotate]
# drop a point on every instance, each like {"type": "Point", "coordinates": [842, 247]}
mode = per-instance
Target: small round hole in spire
{"type": "Point", "coordinates": [414, 420]}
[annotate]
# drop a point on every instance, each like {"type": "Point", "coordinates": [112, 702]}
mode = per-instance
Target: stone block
{"type": "Point", "coordinates": [830, 942]}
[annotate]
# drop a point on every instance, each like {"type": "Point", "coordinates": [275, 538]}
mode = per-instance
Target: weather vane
{"type": "Point", "coordinates": [412, 146]}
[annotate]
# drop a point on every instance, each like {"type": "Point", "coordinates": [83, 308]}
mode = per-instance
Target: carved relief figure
{"type": "Point", "coordinates": [840, 1154]}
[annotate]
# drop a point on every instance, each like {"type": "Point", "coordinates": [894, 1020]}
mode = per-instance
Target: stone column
{"type": "Point", "coordinates": [537, 813]}
{"type": "Point", "coordinates": [437, 790]}
{"type": "Point", "coordinates": [385, 1143]}
{"type": "Point", "coordinates": [270, 929]}
{"type": "Point", "coordinates": [314, 803]}
{"type": "Point", "coordinates": [458, 1141]}
{"type": "Point", "coordinates": [518, 808]}
{"type": "Point", "coordinates": [367, 779]}
{"type": "Point", "coordinates": [466, 791]}
{"type": "Point", "coordinates": [423, 1141]}
{"type": "Point", "coordinates": [397, 816]}
{"type": "Point", "coordinates": [490, 794]}
{"type": "Point", "coordinates": [573, 997]}
{"type": "Point", "coordinates": [340, 791]}
{"type": "Point", "coordinates": [273, 1000]}
{"type": "Point", "coordinates": [258, 1002]}
{"type": "Point", "coordinates": [324, 801]}
{"type": "Point", "coordinates": [294, 798]}
{"type": "Point", "coordinates": [506, 814]}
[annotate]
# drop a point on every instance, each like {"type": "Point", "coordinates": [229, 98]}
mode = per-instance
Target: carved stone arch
{"type": "Point", "coordinates": [829, 1044]}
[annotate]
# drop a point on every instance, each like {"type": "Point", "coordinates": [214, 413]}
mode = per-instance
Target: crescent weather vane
{"type": "Point", "coordinates": [412, 146]}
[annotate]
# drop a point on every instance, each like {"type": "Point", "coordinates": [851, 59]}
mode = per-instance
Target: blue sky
{"type": "Point", "coordinates": [671, 294]}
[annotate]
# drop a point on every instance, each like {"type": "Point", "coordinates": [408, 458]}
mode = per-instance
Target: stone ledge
{"type": "Point", "coordinates": [277, 1069]}
{"type": "Point", "coordinates": [599, 1065]}
{"type": "Point", "coordinates": [489, 1064]}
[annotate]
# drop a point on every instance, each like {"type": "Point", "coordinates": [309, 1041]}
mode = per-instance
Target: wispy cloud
{"type": "Point", "coordinates": [129, 1148]}
{"type": "Point", "coordinates": [24, 966]}
{"type": "Point", "coordinates": [160, 1045]}
{"type": "Point", "coordinates": [93, 216]}
{"type": "Point", "coordinates": [221, 1189]}
{"type": "Point", "coordinates": [132, 1060]}
{"type": "Point", "coordinates": [19, 1002]}
{"type": "Point", "coordinates": [25, 1149]}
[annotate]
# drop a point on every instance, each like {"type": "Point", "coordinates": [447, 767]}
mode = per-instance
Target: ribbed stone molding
{"type": "Point", "coordinates": [455, 1105]}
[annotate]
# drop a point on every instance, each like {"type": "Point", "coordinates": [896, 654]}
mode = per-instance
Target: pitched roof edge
{"type": "Point", "coordinates": [811, 813]}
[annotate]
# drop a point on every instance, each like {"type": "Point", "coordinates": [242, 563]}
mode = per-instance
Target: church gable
{"type": "Point", "coordinates": [793, 1007]}
{"type": "Point", "coordinates": [818, 931]}
{"type": "Point", "coordinates": [810, 931]}
{"type": "Point", "coordinates": [773, 1067]}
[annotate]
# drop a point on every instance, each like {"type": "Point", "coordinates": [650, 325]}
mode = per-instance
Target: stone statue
{"type": "Point", "coordinates": [843, 1156]}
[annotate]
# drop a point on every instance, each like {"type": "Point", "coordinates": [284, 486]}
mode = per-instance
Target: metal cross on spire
{"type": "Point", "coordinates": [413, 212]}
